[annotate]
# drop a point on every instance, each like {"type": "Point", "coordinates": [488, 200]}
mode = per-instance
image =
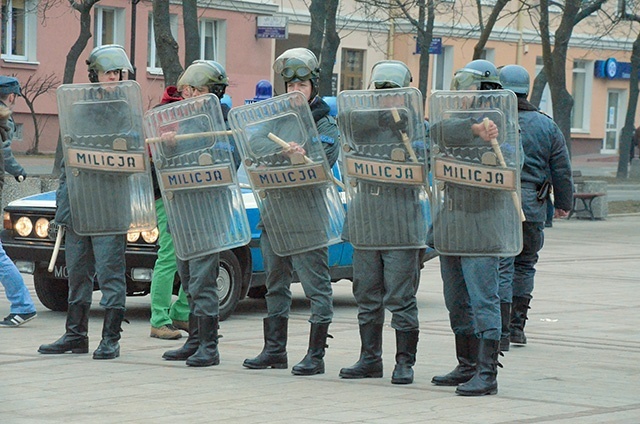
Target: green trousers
{"type": "Point", "coordinates": [163, 312]}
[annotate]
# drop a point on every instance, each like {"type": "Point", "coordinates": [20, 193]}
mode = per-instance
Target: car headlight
{"type": "Point", "coordinates": [133, 237]}
{"type": "Point", "coordinates": [42, 227]}
{"type": "Point", "coordinates": [150, 236]}
{"type": "Point", "coordinates": [24, 226]}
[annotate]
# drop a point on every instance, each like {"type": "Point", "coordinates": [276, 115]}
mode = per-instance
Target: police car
{"type": "Point", "coordinates": [26, 241]}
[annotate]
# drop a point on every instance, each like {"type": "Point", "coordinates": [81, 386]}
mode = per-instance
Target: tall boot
{"type": "Point", "coordinates": [313, 362]}
{"type": "Point", "coordinates": [406, 347]}
{"type": "Point", "coordinates": [467, 354]}
{"type": "Point", "coordinates": [370, 363]}
{"type": "Point", "coordinates": [207, 353]}
{"type": "Point", "coordinates": [75, 338]}
{"type": "Point", "coordinates": [505, 317]}
{"type": "Point", "coordinates": [274, 352]}
{"type": "Point", "coordinates": [109, 348]}
{"type": "Point", "coordinates": [519, 312]}
{"type": "Point", "coordinates": [484, 381]}
{"type": "Point", "coordinates": [190, 346]}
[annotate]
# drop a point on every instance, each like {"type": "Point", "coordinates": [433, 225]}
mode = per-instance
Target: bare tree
{"type": "Point", "coordinates": [324, 39]}
{"type": "Point", "coordinates": [34, 87]}
{"type": "Point", "coordinates": [191, 36]}
{"type": "Point", "coordinates": [487, 28]}
{"type": "Point", "coordinates": [574, 11]}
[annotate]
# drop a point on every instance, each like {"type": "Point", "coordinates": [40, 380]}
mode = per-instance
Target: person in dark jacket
{"type": "Point", "coordinates": [299, 69]}
{"type": "Point", "coordinates": [546, 165]}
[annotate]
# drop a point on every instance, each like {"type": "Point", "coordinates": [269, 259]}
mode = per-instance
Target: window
{"type": "Point", "coordinates": [153, 61]}
{"type": "Point", "coordinates": [19, 23]}
{"type": "Point", "coordinates": [108, 26]}
{"type": "Point", "coordinates": [18, 132]}
{"type": "Point", "coordinates": [442, 69]}
{"type": "Point", "coordinates": [210, 40]}
{"type": "Point", "coordinates": [545, 102]}
{"type": "Point", "coordinates": [352, 70]}
{"type": "Point", "coordinates": [581, 92]}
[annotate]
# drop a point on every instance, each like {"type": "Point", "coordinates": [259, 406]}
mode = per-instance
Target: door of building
{"type": "Point", "coordinates": [614, 120]}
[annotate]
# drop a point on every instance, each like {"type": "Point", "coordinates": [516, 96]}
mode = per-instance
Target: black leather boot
{"type": "Point", "coordinates": [370, 363]}
{"type": "Point", "coordinates": [75, 338]}
{"type": "Point", "coordinates": [313, 362]}
{"type": "Point", "coordinates": [190, 346]}
{"type": "Point", "coordinates": [109, 347]}
{"type": "Point", "coordinates": [505, 316]}
{"type": "Point", "coordinates": [406, 347]}
{"type": "Point", "coordinates": [519, 310]}
{"type": "Point", "coordinates": [467, 354]}
{"type": "Point", "coordinates": [484, 382]}
{"type": "Point", "coordinates": [207, 353]}
{"type": "Point", "coordinates": [274, 352]}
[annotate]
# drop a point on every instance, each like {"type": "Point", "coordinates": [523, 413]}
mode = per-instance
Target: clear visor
{"type": "Point", "coordinates": [112, 60]}
{"type": "Point", "coordinates": [465, 80]}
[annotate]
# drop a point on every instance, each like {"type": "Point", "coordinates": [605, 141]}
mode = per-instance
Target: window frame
{"type": "Point", "coordinates": [587, 89]}
{"type": "Point", "coordinates": [118, 25]}
{"type": "Point", "coordinates": [152, 55]}
{"type": "Point", "coordinates": [29, 33]}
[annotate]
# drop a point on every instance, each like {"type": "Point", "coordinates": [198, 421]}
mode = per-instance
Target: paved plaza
{"type": "Point", "coordinates": [582, 363]}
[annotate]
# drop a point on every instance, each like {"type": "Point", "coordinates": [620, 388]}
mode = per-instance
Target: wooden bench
{"type": "Point", "coordinates": [583, 199]}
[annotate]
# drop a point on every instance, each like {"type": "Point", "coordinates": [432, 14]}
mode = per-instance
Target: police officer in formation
{"type": "Point", "coordinates": [546, 164]}
{"type": "Point", "coordinates": [199, 275]}
{"type": "Point", "coordinates": [386, 257]}
{"type": "Point", "coordinates": [470, 283]}
{"type": "Point", "coordinates": [102, 255]}
{"type": "Point", "coordinates": [299, 68]}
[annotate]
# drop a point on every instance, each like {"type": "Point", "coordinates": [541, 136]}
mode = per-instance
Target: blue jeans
{"type": "Point", "coordinates": [14, 287]}
{"type": "Point", "coordinates": [471, 294]}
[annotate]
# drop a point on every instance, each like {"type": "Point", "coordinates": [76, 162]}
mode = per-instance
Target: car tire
{"type": "Point", "coordinates": [53, 293]}
{"type": "Point", "coordinates": [229, 284]}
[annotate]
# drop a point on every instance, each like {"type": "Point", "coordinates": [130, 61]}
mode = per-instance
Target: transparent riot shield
{"type": "Point", "coordinates": [385, 163]}
{"type": "Point", "coordinates": [107, 166]}
{"type": "Point", "coordinates": [299, 204]}
{"type": "Point", "coordinates": [197, 176]}
{"type": "Point", "coordinates": [476, 209]}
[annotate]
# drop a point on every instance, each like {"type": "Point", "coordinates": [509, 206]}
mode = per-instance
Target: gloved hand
{"type": "Point", "coordinates": [54, 228]}
{"type": "Point", "coordinates": [20, 178]}
{"type": "Point", "coordinates": [386, 121]}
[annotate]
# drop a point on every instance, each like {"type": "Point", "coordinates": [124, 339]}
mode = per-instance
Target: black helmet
{"type": "Point", "coordinates": [109, 57]}
{"type": "Point", "coordinates": [515, 78]}
{"type": "Point", "coordinates": [390, 74]}
{"type": "Point", "coordinates": [205, 73]}
{"type": "Point", "coordinates": [479, 75]}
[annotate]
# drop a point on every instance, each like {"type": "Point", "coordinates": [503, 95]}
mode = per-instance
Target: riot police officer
{"type": "Point", "coordinates": [546, 165]}
{"type": "Point", "coordinates": [85, 256]}
{"type": "Point", "coordinates": [471, 282]}
{"type": "Point", "coordinates": [386, 261]}
{"type": "Point", "coordinates": [198, 276]}
{"type": "Point", "coordinates": [299, 68]}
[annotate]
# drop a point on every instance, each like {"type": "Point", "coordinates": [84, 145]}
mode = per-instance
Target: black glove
{"type": "Point", "coordinates": [54, 228]}
{"type": "Point", "coordinates": [386, 121]}
{"type": "Point", "coordinates": [20, 178]}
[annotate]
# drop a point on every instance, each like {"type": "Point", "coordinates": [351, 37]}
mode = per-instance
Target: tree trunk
{"type": "Point", "coordinates": [626, 138]}
{"type": "Point", "coordinates": [539, 84]}
{"type": "Point", "coordinates": [191, 31]}
{"type": "Point", "coordinates": [317, 11]}
{"type": "Point", "coordinates": [329, 48]}
{"type": "Point", "coordinates": [166, 45]}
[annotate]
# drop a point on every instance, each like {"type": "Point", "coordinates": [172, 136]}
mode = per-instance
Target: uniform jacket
{"type": "Point", "coordinates": [7, 128]}
{"type": "Point", "coordinates": [545, 155]}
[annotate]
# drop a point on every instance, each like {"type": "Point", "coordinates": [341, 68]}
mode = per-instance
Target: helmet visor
{"type": "Point", "coordinates": [466, 80]}
{"type": "Point", "coordinates": [296, 71]}
{"type": "Point", "coordinates": [111, 59]}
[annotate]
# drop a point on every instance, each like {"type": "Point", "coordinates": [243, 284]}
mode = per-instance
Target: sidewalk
{"type": "Point", "coordinates": [579, 367]}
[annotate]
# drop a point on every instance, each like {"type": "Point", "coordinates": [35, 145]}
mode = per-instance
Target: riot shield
{"type": "Point", "coordinates": [107, 166]}
{"type": "Point", "coordinates": [385, 163]}
{"type": "Point", "coordinates": [197, 176]}
{"type": "Point", "coordinates": [299, 205]}
{"type": "Point", "coordinates": [476, 207]}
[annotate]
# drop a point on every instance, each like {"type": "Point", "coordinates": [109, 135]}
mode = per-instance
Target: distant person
{"type": "Point", "coordinates": [635, 141]}
{"type": "Point", "coordinates": [22, 308]}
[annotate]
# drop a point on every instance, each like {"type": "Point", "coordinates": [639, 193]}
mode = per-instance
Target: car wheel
{"type": "Point", "coordinates": [258, 292]}
{"type": "Point", "coordinates": [53, 293]}
{"type": "Point", "coordinates": [229, 284]}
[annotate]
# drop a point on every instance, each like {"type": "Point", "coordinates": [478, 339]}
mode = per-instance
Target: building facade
{"type": "Point", "coordinates": [236, 34]}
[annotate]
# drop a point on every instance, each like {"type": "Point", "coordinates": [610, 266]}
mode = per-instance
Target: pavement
{"type": "Point", "coordinates": [578, 367]}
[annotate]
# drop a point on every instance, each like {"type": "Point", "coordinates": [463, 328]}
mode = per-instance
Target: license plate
{"type": "Point", "coordinates": [60, 272]}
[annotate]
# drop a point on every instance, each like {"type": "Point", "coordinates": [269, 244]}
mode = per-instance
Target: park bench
{"type": "Point", "coordinates": [584, 200]}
